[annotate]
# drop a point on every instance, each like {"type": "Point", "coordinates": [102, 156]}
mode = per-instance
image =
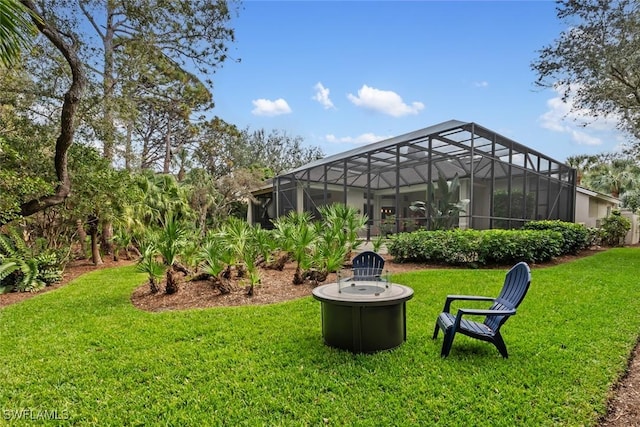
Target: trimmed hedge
{"type": "Point", "coordinates": [576, 236]}
{"type": "Point", "coordinates": [486, 247]}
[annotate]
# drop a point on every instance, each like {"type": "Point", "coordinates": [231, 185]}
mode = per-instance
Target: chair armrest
{"type": "Point", "coordinates": [451, 298]}
{"type": "Point", "coordinates": [480, 312]}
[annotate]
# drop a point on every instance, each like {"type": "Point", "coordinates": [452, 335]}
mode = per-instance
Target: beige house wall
{"type": "Point", "coordinates": [591, 207]}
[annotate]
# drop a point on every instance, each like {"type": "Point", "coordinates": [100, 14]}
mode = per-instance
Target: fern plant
{"type": "Point", "coordinates": [22, 268]}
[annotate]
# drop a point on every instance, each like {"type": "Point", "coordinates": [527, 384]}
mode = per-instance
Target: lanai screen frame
{"type": "Point", "coordinates": [512, 176]}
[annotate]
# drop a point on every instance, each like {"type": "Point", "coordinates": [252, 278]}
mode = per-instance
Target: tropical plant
{"type": "Point", "coordinates": [344, 223]}
{"type": "Point", "coordinates": [265, 242]}
{"type": "Point", "coordinates": [149, 265]}
{"type": "Point", "coordinates": [378, 242]}
{"type": "Point", "coordinates": [583, 163]}
{"type": "Point", "coordinates": [249, 258]}
{"type": "Point", "coordinates": [16, 31]}
{"type": "Point", "coordinates": [296, 235]}
{"type": "Point", "coordinates": [171, 239]}
{"type": "Point", "coordinates": [614, 177]}
{"type": "Point", "coordinates": [444, 205]}
{"type": "Point", "coordinates": [236, 235]}
{"type": "Point", "coordinates": [26, 268]}
{"type": "Point", "coordinates": [212, 263]}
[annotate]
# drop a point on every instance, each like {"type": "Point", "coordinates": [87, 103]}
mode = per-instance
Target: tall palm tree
{"type": "Point", "coordinates": [583, 163]}
{"type": "Point", "coordinates": [615, 177]}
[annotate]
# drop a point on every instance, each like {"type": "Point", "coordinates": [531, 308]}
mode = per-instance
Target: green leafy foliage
{"type": "Point", "coordinates": [323, 245]}
{"type": "Point", "coordinates": [614, 229]}
{"type": "Point", "coordinates": [444, 205]}
{"type": "Point", "coordinates": [25, 268]}
{"type": "Point", "coordinates": [576, 236]}
{"type": "Point", "coordinates": [470, 247]}
{"type": "Point", "coordinates": [149, 265]}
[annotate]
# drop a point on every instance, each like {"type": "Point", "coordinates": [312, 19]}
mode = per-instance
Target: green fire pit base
{"type": "Point", "coordinates": [364, 318]}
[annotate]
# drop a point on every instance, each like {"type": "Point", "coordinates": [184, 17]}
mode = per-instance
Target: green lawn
{"type": "Point", "coordinates": [83, 353]}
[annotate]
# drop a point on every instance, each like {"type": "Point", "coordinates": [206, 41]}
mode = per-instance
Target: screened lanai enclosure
{"type": "Point", "coordinates": [459, 172]}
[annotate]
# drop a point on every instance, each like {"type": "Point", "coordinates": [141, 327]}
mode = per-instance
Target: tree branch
{"type": "Point", "coordinates": [72, 99]}
{"type": "Point", "coordinates": [89, 17]}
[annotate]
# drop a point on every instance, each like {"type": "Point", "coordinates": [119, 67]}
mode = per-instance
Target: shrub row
{"type": "Point", "coordinates": [539, 243]}
{"type": "Point", "coordinates": [576, 236]}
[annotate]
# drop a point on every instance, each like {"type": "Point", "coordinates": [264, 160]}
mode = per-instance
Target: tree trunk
{"type": "Point", "coordinates": [172, 282]}
{"type": "Point", "coordinates": [128, 148]}
{"type": "Point", "coordinates": [167, 149]}
{"type": "Point", "coordinates": [108, 83]}
{"type": "Point", "coordinates": [92, 222]}
{"type": "Point", "coordinates": [153, 286]}
{"type": "Point", "coordinates": [95, 249]}
{"type": "Point", "coordinates": [82, 237]}
{"type": "Point", "coordinates": [72, 99]}
{"type": "Point", "coordinates": [298, 279]}
{"type": "Point", "coordinates": [107, 237]}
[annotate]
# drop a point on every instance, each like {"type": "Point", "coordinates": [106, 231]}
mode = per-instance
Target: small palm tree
{"type": "Point", "coordinates": [213, 256]}
{"type": "Point", "coordinates": [344, 223]}
{"type": "Point", "coordinates": [296, 235]}
{"type": "Point", "coordinates": [171, 240]}
{"type": "Point", "coordinates": [154, 269]}
{"type": "Point", "coordinates": [235, 234]}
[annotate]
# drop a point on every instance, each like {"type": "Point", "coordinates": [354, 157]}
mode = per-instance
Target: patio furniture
{"type": "Point", "coordinates": [363, 316]}
{"type": "Point", "coordinates": [515, 287]}
{"type": "Point", "coordinates": [367, 265]}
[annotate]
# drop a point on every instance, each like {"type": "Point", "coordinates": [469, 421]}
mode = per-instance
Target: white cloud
{"type": "Point", "coordinates": [483, 83]}
{"type": "Point", "coordinates": [322, 96]}
{"type": "Point", "coordinates": [583, 138]}
{"type": "Point", "coordinates": [266, 107]}
{"type": "Point", "coordinates": [365, 138]}
{"type": "Point", "coordinates": [384, 101]}
{"type": "Point", "coordinates": [563, 118]}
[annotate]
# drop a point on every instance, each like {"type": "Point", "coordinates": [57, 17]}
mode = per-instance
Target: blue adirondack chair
{"type": "Point", "coordinates": [516, 285]}
{"type": "Point", "coordinates": [368, 265]}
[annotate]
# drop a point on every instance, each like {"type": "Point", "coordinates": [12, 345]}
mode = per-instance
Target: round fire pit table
{"type": "Point", "coordinates": [363, 316]}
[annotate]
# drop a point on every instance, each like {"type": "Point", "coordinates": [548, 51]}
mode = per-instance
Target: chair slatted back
{"type": "Point", "coordinates": [367, 265]}
{"type": "Point", "coordinates": [516, 285]}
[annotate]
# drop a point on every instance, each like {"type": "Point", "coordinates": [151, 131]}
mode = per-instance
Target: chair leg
{"type": "Point", "coordinates": [500, 345]}
{"type": "Point", "coordinates": [435, 331]}
{"type": "Point", "coordinates": [449, 334]}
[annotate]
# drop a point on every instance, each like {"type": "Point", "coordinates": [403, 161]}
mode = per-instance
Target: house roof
{"type": "Point", "coordinates": [598, 195]}
{"type": "Point", "coordinates": [449, 148]}
{"type": "Point", "coordinates": [386, 143]}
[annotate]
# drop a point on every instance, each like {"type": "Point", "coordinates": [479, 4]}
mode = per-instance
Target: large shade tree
{"type": "Point", "coordinates": [594, 62]}
{"type": "Point", "coordinates": [66, 46]}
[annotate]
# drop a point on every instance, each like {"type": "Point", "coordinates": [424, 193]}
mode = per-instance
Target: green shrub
{"type": "Point", "coordinates": [614, 229]}
{"type": "Point", "coordinates": [487, 247]}
{"type": "Point", "coordinates": [576, 236]}
{"type": "Point", "coordinates": [511, 246]}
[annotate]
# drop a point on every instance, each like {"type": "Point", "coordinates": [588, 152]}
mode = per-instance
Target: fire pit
{"type": "Point", "coordinates": [363, 316]}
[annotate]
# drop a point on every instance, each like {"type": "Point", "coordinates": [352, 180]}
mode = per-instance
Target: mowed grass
{"type": "Point", "coordinates": [85, 355]}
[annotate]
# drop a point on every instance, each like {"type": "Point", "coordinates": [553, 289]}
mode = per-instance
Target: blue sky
{"type": "Point", "coordinates": [341, 74]}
